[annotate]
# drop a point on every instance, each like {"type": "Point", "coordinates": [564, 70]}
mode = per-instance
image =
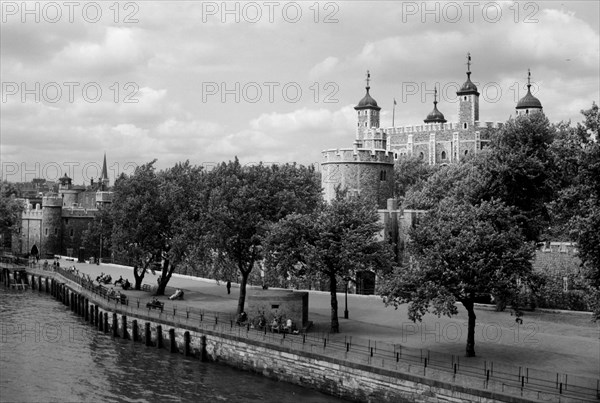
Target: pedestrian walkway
{"type": "Point", "coordinates": [553, 342]}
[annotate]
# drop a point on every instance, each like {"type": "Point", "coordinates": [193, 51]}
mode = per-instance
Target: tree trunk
{"type": "Point", "coordinates": [471, 328]}
{"type": "Point", "coordinates": [164, 278]}
{"type": "Point", "coordinates": [335, 323]}
{"type": "Point", "coordinates": [138, 275]}
{"type": "Point", "coordinates": [242, 299]}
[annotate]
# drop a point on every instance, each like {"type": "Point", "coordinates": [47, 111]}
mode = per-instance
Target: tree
{"type": "Point", "coordinates": [576, 210]}
{"type": "Point", "coordinates": [10, 215]}
{"type": "Point", "coordinates": [243, 202]}
{"type": "Point", "coordinates": [138, 219]}
{"type": "Point", "coordinates": [411, 173]}
{"type": "Point", "coordinates": [460, 251]}
{"type": "Point", "coordinates": [519, 170]}
{"type": "Point", "coordinates": [182, 193]}
{"type": "Point", "coordinates": [335, 241]}
{"type": "Point", "coordinates": [464, 179]}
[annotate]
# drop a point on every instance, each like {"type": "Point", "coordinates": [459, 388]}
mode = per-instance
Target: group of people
{"type": "Point", "coordinates": [279, 325]}
{"type": "Point", "coordinates": [125, 284]}
{"type": "Point", "coordinates": [104, 278]}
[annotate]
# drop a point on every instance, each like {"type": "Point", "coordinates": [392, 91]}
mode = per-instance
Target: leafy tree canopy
{"type": "Point", "coordinates": [460, 251]}
{"type": "Point", "coordinates": [335, 241]}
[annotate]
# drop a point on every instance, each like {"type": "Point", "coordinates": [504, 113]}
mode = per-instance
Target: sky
{"type": "Point", "coordinates": [270, 81]}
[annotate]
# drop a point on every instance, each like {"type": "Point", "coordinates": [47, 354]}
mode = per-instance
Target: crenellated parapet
{"type": "Point", "coordinates": [52, 201]}
{"type": "Point", "coordinates": [357, 155]}
{"type": "Point", "coordinates": [76, 212]}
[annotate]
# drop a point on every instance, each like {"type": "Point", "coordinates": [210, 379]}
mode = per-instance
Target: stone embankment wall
{"type": "Point", "coordinates": [348, 380]}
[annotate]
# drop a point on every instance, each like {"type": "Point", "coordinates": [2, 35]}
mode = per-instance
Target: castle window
{"type": "Point", "coordinates": [421, 155]}
{"type": "Point", "coordinates": [466, 152]}
{"type": "Point", "coordinates": [382, 175]}
{"type": "Point", "coordinates": [527, 111]}
{"type": "Point", "coordinates": [465, 98]}
{"type": "Point", "coordinates": [71, 233]}
{"type": "Point", "coordinates": [395, 156]}
{"type": "Point", "coordinates": [55, 231]}
{"type": "Point", "coordinates": [465, 125]}
{"type": "Point", "coordinates": [365, 124]}
{"type": "Point", "coordinates": [66, 221]}
{"type": "Point", "coordinates": [443, 155]}
{"type": "Point", "coordinates": [46, 232]}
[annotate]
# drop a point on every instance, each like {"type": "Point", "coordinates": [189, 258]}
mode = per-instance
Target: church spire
{"type": "Point", "coordinates": [104, 178]}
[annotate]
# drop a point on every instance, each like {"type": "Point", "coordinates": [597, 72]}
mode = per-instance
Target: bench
{"type": "Point", "coordinates": [147, 288]}
{"type": "Point", "coordinates": [155, 305]}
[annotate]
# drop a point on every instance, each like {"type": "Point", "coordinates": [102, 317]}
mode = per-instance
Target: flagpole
{"type": "Point", "coordinates": [394, 112]}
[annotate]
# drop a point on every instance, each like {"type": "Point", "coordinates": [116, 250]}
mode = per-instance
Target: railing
{"type": "Point", "coordinates": [497, 377]}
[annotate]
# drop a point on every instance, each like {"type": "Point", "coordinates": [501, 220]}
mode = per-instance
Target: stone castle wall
{"type": "Point", "coordinates": [369, 173]}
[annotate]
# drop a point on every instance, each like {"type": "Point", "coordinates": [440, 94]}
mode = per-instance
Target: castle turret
{"type": "Point", "coordinates": [368, 114]}
{"type": "Point", "coordinates": [51, 224]}
{"type": "Point", "coordinates": [468, 96]}
{"type": "Point", "coordinates": [528, 104]}
{"type": "Point", "coordinates": [435, 116]}
{"type": "Point", "coordinates": [66, 191]}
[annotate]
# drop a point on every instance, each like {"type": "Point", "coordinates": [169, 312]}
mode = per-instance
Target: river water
{"type": "Point", "coordinates": [49, 354]}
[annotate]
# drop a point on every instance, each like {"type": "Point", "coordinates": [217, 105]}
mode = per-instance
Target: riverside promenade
{"type": "Point", "coordinates": [547, 344]}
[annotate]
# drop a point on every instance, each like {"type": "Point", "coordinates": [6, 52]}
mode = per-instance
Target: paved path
{"type": "Point", "coordinates": [555, 342]}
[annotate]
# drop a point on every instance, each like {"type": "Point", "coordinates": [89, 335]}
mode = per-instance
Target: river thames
{"type": "Point", "coordinates": [48, 354]}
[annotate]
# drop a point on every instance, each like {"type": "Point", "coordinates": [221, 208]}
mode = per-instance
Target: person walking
{"type": "Point", "coordinates": [228, 287]}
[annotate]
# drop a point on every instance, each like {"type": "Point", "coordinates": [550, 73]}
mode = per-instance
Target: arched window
{"type": "Point", "coordinates": [465, 98]}
{"type": "Point", "coordinates": [421, 155]}
{"type": "Point", "coordinates": [443, 155]}
{"type": "Point", "coordinates": [465, 125]}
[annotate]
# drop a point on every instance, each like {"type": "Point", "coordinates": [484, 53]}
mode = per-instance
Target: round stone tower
{"type": "Point", "coordinates": [367, 169]}
{"type": "Point", "coordinates": [51, 225]}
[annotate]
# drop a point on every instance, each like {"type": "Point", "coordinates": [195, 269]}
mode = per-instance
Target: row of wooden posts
{"type": "Point", "coordinates": [104, 320]}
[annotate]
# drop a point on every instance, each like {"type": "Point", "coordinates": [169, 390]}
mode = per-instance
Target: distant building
{"type": "Point", "coordinates": [56, 225]}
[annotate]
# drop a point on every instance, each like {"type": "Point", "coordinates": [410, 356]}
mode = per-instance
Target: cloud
{"type": "Point", "coordinates": [323, 68]}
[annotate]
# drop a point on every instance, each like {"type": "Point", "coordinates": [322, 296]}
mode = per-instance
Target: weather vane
{"type": "Point", "coordinates": [368, 78]}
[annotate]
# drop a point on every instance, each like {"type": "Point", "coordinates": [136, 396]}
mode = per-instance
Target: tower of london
{"type": "Point", "coordinates": [367, 168]}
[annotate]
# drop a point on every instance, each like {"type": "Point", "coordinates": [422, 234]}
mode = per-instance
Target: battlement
{"type": "Point", "coordinates": [363, 155]}
{"type": "Point", "coordinates": [433, 127]}
{"type": "Point", "coordinates": [75, 212]}
{"type": "Point", "coordinates": [52, 201]}
{"type": "Point", "coordinates": [29, 214]}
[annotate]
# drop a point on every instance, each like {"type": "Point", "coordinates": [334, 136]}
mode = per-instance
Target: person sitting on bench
{"type": "Point", "coordinates": [177, 295]}
{"type": "Point", "coordinates": [126, 284]}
